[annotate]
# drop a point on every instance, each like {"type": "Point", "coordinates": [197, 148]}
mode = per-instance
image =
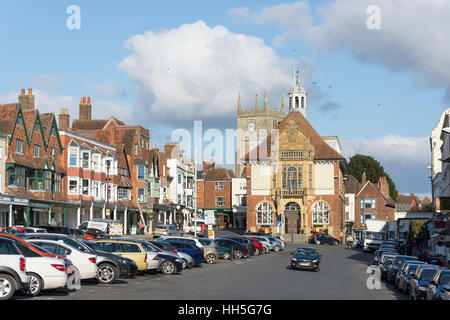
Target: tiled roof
{"type": "Point", "coordinates": [218, 174]}
{"type": "Point", "coordinates": [322, 150]}
{"type": "Point", "coordinates": [351, 184]}
{"type": "Point", "coordinates": [8, 116]}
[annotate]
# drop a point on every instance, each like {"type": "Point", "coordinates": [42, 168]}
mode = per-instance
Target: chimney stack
{"type": "Point", "coordinates": [85, 109]}
{"type": "Point", "coordinates": [26, 101]}
{"type": "Point", "coordinates": [383, 186]}
{"type": "Point", "coordinates": [64, 120]}
{"type": "Point", "coordinates": [363, 178]}
{"type": "Point", "coordinates": [172, 150]}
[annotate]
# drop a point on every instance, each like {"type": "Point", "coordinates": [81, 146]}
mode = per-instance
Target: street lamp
{"type": "Point", "coordinates": [108, 165]}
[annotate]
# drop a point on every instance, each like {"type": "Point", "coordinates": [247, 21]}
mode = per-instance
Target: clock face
{"type": "Point", "coordinates": [251, 126]}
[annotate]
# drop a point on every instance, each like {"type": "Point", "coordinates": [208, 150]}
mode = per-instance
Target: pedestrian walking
{"type": "Point", "coordinates": [349, 241]}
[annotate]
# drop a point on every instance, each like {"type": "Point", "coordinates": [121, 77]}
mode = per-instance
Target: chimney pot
{"type": "Point", "coordinates": [89, 100]}
{"type": "Point", "coordinates": [22, 92]}
{"type": "Point", "coordinates": [30, 92]}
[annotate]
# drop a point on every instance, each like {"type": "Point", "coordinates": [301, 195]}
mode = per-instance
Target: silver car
{"type": "Point", "coordinates": [166, 230]}
{"type": "Point", "coordinates": [188, 261]}
{"type": "Point", "coordinates": [210, 249]}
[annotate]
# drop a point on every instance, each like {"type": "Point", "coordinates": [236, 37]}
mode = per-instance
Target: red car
{"type": "Point", "coordinates": [14, 230]}
{"type": "Point", "coordinates": [258, 245]}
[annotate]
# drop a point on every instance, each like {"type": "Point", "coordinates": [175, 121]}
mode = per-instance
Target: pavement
{"type": "Point", "coordinates": [342, 275]}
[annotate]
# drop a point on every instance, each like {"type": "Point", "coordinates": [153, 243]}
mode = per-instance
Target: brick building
{"type": "Point", "coordinates": [215, 193]}
{"type": "Point", "coordinates": [294, 177]}
{"type": "Point", "coordinates": [34, 168]}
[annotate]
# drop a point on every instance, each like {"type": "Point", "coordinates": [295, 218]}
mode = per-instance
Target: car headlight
{"type": "Point", "coordinates": [178, 260]}
{"type": "Point", "coordinates": [293, 259]}
{"type": "Point", "coordinates": [123, 261]}
{"type": "Point", "coordinates": [315, 261]}
{"type": "Point", "coordinates": [422, 288]}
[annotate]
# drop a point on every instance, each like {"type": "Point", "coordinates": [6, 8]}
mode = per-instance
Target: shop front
{"type": "Point", "coordinates": [12, 211]}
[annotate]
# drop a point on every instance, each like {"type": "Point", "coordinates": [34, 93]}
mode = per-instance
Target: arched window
{"type": "Point", "coordinates": [292, 178]}
{"type": "Point", "coordinates": [292, 206]}
{"type": "Point", "coordinates": [303, 102]}
{"type": "Point", "coordinates": [320, 213]}
{"type": "Point", "coordinates": [264, 214]}
{"type": "Point", "coordinates": [296, 102]}
{"type": "Point", "coordinates": [290, 102]}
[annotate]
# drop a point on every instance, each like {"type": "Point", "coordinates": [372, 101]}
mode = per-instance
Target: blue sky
{"type": "Point", "coordinates": [380, 89]}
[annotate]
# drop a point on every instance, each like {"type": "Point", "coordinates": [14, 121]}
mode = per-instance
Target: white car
{"type": "Point", "coordinates": [85, 263]}
{"type": "Point", "coordinates": [13, 265]}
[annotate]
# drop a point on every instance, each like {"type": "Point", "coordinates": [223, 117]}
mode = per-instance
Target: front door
{"type": "Point", "coordinates": [292, 218]}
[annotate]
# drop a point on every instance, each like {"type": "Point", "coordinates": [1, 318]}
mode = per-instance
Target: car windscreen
{"type": "Point", "coordinates": [401, 260]}
{"type": "Point", "coordinates": [306, 252]}
{"type": "Point", "coordinates": [95, 246]}
{"type": "Point", "coordinates": [205, 242]}
{"type": "Point", "coordinates": [427, 274]}
{"type": "Point", "coordinates": [445, 279]}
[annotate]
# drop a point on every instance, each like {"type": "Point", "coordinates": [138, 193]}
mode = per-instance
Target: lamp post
{"type": "Point", "coordinates": [108, 165]}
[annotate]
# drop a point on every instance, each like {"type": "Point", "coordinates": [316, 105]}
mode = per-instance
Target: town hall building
{"type": "Point", "coordinates": [295, 178]}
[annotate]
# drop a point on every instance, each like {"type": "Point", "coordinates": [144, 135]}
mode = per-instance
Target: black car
{"type": "Point", "coordinates": [305, 258]}
{"type": "Point", "coordinates": [110, 266]}
{"type": "Point", "coordinates": [77, 233]}
{"type": "Point", "coordinates": [322, 238]}
{"type": "Point", "coordinates": [239, 250]}
{"type": "Point", "coordinates": [247, 243]}
{"type": "Point", "coordinates": [55, 229]}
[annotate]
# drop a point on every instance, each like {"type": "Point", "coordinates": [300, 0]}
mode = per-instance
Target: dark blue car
{"type": "Point", "coordinates": [420, 280]}
{"type": "Point", "coordinates": [439, 286]}
{"type": "Point", "coordinates": [195, 252]}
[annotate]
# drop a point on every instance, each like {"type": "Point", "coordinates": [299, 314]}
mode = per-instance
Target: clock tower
{"type": "Point", "coordinates": [254, 125]}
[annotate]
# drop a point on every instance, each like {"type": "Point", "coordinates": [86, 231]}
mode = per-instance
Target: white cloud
{"type": "Point", "coordinates": [391, 148]}
{"type": "Point", "coordinates": [195, 72]}
{"type": "Point", "coordinates": [413, 36]}
{"type": "Point", "coordinates": [46, 102]}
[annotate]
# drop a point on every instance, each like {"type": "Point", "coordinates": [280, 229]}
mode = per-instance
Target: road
{"type": "Point", "coordinates": [266, 277]}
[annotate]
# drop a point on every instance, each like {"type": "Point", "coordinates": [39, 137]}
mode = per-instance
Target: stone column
{"type": "Point", "coordinates": [125, 221]}
{"type": "Point", "coordinates": [11, 215]}
{"type": "Point", "coordinates": [91, 212]}
{"type": "Point", "coordinates": [78, 216]}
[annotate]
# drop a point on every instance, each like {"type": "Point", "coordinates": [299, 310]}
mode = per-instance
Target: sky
{"type": "Point", "coordinates": [375, 71]}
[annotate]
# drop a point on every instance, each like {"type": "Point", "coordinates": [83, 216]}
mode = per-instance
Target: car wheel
{"type": "Point", "coordinates": [107, 273]}
{"type": "Point", "coordinates": [238, 254]}
{"type": "Point", "coordinates": [335, 243]}
{"type": "Point", "coordinates": [226, 256]}
{"type": "Point", "coordinates": [257, 252]}
{"type": "Point", "coordinates": [7, 286]}
{"type": "Point", "coordinates": [317, 242]}
{"type": "Point", "coordinates": [185, 264]}
{"type": "Point", "coordinates": [317, 269]}
{"type": "Point", "coordinates": [35, 285]}
{"type": "Point", "coordinates": [210, 258]}
{"type": "Point", "coordinates": [276, 248]}
{"type": "Point", "coordinates": [168, 267]}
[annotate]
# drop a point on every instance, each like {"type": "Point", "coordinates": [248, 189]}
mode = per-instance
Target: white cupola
{"type": "Point", "coordinates": [297, 97]}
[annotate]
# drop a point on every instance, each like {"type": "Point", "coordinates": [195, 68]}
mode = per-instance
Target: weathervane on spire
{"type": "Point", "coordinates": [297, 74]}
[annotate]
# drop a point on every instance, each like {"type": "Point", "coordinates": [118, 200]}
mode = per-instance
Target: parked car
{"type": "Point", "coordinates": [211, 250]}
{"type": "Point", "coordinates": [386, 262]}
{"type": "Point", "coordinates": [127, 249]}
{"type": "Point", "coordinates": [263, 240]}
{"type": "Point", "coordinates": [77, 233]}
{"type": "Point", "coordinates": [13, 275]}
{"type": "Point", "coordinates": [91, 234]}
{"type": "Point", "coordinates": [439, 286]}
{"type": "Point", "coordinates": [194, 241]}
{"type": "Point", "coordinates": [67, 239]}
{"type": "Point", "coordinates": [420, 280]}
{"type": "Point", "coordinates": [322, 238]}
{"type": "Point", "coordinates": [195, 252]}
{"type": "Point", "coordinates": [257, 245]}
{"type": "Point", "coordinates": [46, 272]}
{"type": "Point", "coordinates": [85, 263]}
{"type": "Point", "coordinates": [378, 254]}
{"type": "Point", "coordinates": [305, 258]}
{"type": "Point", "coordinates": [110, 266]}
{"type": "Point", "coordinates": [166, 230]}
{"type": "Point", "coordinates": [21, 243]}
{"type": "Point", "coordinates": [157, 260]}
{"type": "Point", "coordinates": [187, 260]}
{"type": "Point", "coordinates": [246, 242]}
{"type": "Point", "coordinates": [55, 229]}
{"type": "Point", "coordinates": [403, 277]}
{"type": "Point", "coordinates": [396, 265]}
{"type": "Point", "coordinates": [237, 248]}
{"type": "Point", "coordinates": [16, 230]}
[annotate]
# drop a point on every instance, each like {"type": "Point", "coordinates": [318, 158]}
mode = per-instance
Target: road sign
{"type": "Point", "coordinates": [279, 224]}
{"type": "Point", "coordinates": [209, 217]}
